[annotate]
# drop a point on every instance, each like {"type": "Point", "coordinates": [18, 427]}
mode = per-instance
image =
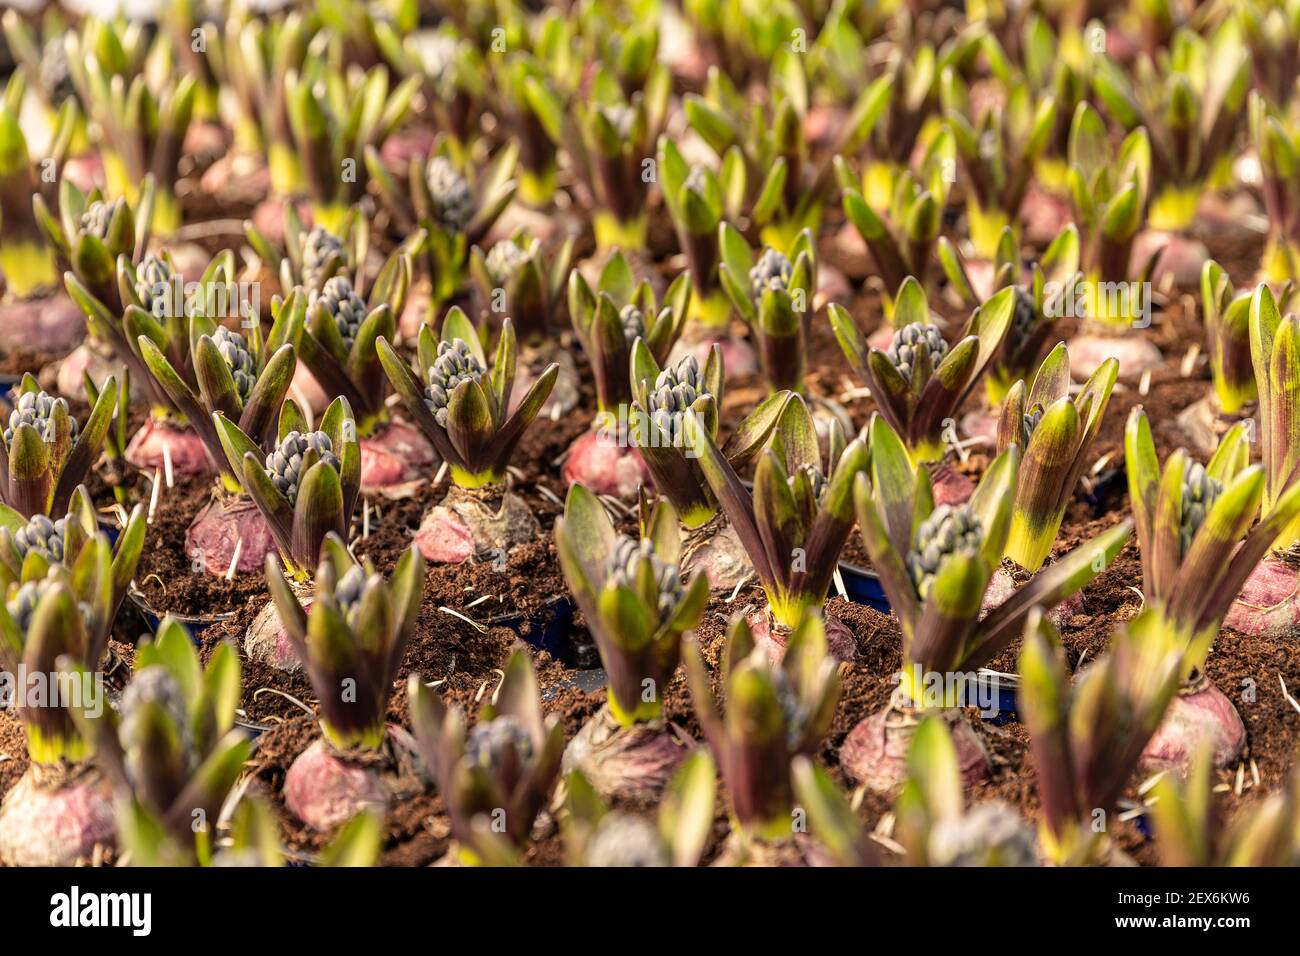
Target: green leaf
{"type": "Point", "coordinates": [358, 843]}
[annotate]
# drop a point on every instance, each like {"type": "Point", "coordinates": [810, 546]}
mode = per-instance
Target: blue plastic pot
{"type": "Point", "coordinates": [588, 681]}
{"type": "Point", "coordinates": [194, 624]}
{"type": "Point", "coordinates": [863, 587]}
{"type": "Point", "coordinates": [1109, 482]}
{"type": "Point", "coordinates": [251, 729]}
{"type": "Point", "coordinates": [547, 628]}
{"type": "Point", "coordinates": [995, 696]}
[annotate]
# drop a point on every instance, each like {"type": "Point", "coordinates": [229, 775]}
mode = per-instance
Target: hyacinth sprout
{"type": "Point", "coordinates": [1189, 820]}
{"type": "Point", "coordinates": [171, 748]}
{"type": "Point", "coordinates": [142, 132]}
{"type": "Point", "coordinates": [55, 620]}
{"type": "Point", "coordinates": [783, 189]}
{"type": "Point", "coordinates": [795, 523]}
{"type": "Point", "coordinates": [496, 776]}
{"type": "Point", "coordinates": [335, 118]}
{"type": "Point", "coordinates": [312, 254]}
{"type": "Point", "coordinates": [91, 235]}
{"type": "Point", "coordinates": [453, 207]}
{"type": "Point", "coordinates": [632, 597]}
{"type": "Point", "coordinates": [461, 406]}
{"type": "Point", "coordinates": [773, 293]}
{"type": "Point", "coordinates": [999, 148]}
{"type": "Point", "coordinates": [61, 608]}
{"type": "Point", "coordinates": [900, 233]}
{"type": "Point", "coordinates": [611, 318]}
{"type": "Point", "coordinates": [31, 547]}
{"type": "Point", "coordinates": [663, 398]}
{"type": "Point", "coordinates": [920, 381]}
{"type": "Point", "coordinates": [934, 827]}
{"type": "Point", "coordinates": [44, 453]}
{"type": "Point", "coordinates": [1108, 192]}
{"type": "Point", "coordinates": [614, 136]}
{"type": "Point", "coordinates": [699, 200]}
{"type": "Point", "coordinates": [1038, 303]}
{"type": "Point", "coordinates": [935, 564]}
{"type": "Point", "coordinates": [1197, 530]}
{"type": "Point", "coordinates": [256, 56]}
{"type": "Point", "coordinates": [1275, 355]}
{"type": "Point", "coordinates": [770, 714]}
{"type": "Point", "coordinates": [356, 629]}
{"type": "Point", "coordinates": [208, 368]}
{"type": "Point", "coordinates": [1226, 314]}
{"type": "Point", "coordinates": [1087, 736]}
{"type": "Point", "coordinates": [1190, 101]}
{"type": "Point", "coordinates": [306, 485]}
{"type": "Point", "coordinates": [27, 260]}
{"type": "Point", "coordinates": [518, 278]}
{"type": "Point", "coordinates": [596, 836]}
{"type": "Point", "coordinates": [1054, 431]}
{"type": "Point", "coordinates": [343, 323]}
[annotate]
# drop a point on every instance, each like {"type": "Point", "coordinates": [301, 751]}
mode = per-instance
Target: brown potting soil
{"type": "Point", "coordinates": [465, 650]}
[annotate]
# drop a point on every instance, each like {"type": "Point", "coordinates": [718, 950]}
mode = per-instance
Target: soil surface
{"type": "Point", "coordinates": [462, 638]}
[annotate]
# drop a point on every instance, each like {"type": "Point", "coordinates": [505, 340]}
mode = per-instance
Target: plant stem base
{"type": "Point", "coordinates": [797, 850]}
{"type": "Point", "coordinates": [1003, 584]}
{"type": "Point", "coordinates": [715, 550]}
{"type": "Point", "coordinates": [772, 636]}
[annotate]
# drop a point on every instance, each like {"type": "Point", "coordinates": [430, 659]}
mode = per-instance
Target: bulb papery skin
{"type": "Point", "coordinates": [875, 751]}
{"type": "Point", "coordinates": [59, 825]}
{"type": "Point", "coordinates": [606, 466]}
{"type": "Point", "coordinates": [632, 763]}
{"type": "Point", "coordinates": [1199, 714]}
{"type": "Point", "coordinates": [1269, 603]}
{"type": "Point", "coordinates": [325, 787]}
